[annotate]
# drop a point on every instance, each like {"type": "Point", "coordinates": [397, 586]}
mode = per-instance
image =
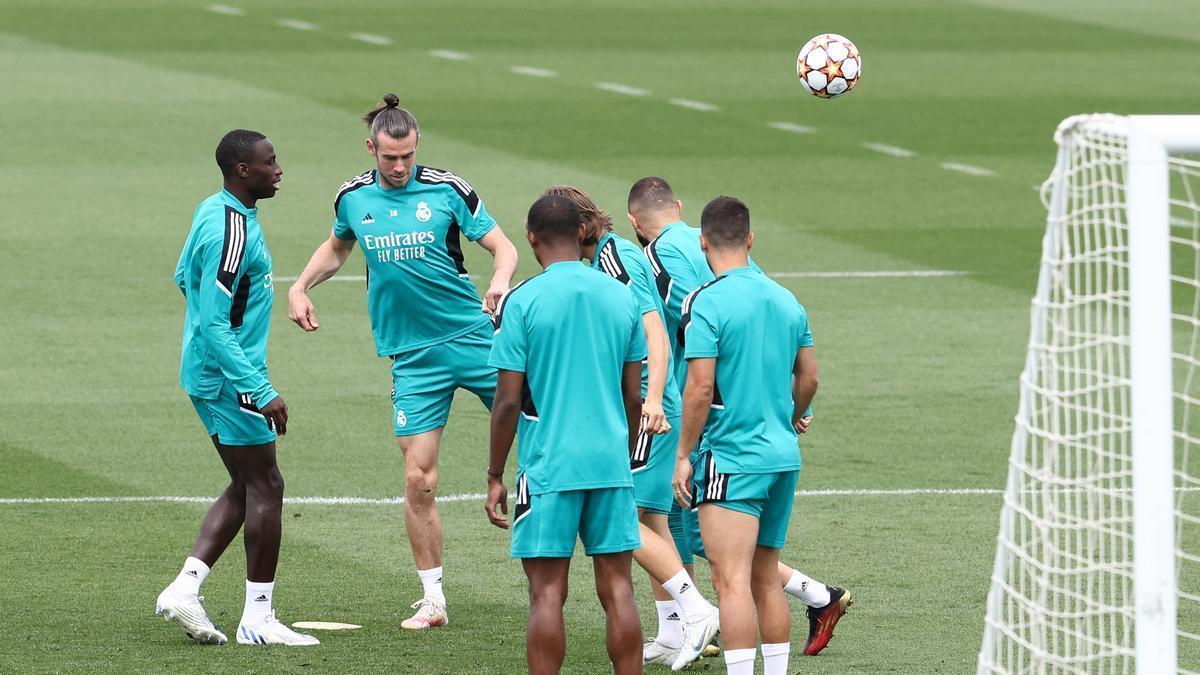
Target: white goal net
{"type": "Point", "coordinates": [1065, 595]}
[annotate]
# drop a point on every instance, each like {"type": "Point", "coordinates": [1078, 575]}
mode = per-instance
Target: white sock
{"type": "Point", "coordinates": [740, 661]}
{"type": "Point", "coordinates": [258, 601]}
{"type": "Point", "coordinates": [670, 624]}
{"type": "Point", "coordinates": [808, 590]}
{"type": "Point", "coordinates": [683, 590]}
{"type": "Point", "coordinates": [193, 574]}
{"type": "Point", "coordinates": [775, 658]}
{"type": "Point", "coordinates": [432, 581]}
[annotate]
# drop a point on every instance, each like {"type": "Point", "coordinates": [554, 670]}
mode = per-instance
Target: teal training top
{"type": "Point", "coordinates": [679, 268]}
{"type": "Point", "coordinates": [753, 327]}
{"type": "Point", "coordinates": [622, 260]}
{"type": "Point", "coordinates": [571, 331]}
{"type": "Point", "coordinates": [418, 291]}
{"type": "Point", "coordinates": [224, 272]}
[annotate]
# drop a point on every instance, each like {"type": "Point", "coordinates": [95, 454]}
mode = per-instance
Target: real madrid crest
{"type": "Point", "coordinates": [423, 212]}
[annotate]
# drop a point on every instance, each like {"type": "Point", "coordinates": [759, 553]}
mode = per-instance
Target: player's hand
{"type": "Point", "coordinates": [300, 310]}
{"type": "Point", "coordinates": [654, 420]}
{"type": "Point", "coordinates": [801, 424]}
{"type": "Point", "coordinates": [276, 413]}
{"type": "Point", "coordinates": [497, 499]}
{"type": "Point", "coordinates": [492, 298]}
{"type": "Point", "coordinates": [681, 483]}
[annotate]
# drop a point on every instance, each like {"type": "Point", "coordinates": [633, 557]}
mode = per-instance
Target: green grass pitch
{"type": "Point", "coordinates": [109, 112]}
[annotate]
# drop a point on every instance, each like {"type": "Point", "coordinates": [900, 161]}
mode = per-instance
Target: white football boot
{"type": "Point", "coordinates": [430, 614]}
{"type": "Point", "coordinates": [696, 636]}
{"type": "Point", "coordinates": [271, 631]}
{"type": "Point", "coordinates": [656, 653]}
{"type": "Point", "coordinates": [185, 609]}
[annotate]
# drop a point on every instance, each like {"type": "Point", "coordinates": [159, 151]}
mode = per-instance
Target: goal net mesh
{"type": "Point", "coordinates": [1062, 594]}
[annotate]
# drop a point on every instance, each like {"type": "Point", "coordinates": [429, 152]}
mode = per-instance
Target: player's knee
{"type": "Point", "coordinates": [421, 484]}
{"type": "Point", "coordinates": [548, 595]}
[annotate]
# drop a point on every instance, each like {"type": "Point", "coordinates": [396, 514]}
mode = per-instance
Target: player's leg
{"type": "Point", "coordinates": [623, 627]}
{"type": "Point", "coordinates": [424, 526]}
{"type": "Point", "coordinates": [729, 539]}
{"type": "Point", "coordinates": [423, 388]}
{"type": "Point", "coordinates": [678, 601]}
{"type": "Point", "coordinates": [180, 600]}
{"type": "Point", "coordinates": [774, 617]}
{"type": "Point", "coordinates": [263, 530]}
{"type": "Point", "coordinates": [546, 633]}
{"type": "Point", "coordinates": [544, 529]}
{"type": "Point", "coordinates": [700, 620]}
{"type": "Point", "coordinates": [224, 518]}
{"type": "Point", "coordinates": [609, 530]}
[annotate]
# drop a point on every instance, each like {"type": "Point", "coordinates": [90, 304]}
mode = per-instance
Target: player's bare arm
{"type": "Point", "coordinates": [805, 378]}
{"type": "Point", "coordinates": [503, 266]}
{"type": "Point", "coordinates": [657, 364]}
{"type": "Point", "coordinates": [324, 263]}
{"type": "Point", "coordinates": [631, 392]}
{"type": "Point", "coordinates": [697, 399]}
{"type": "Point", "coordinates": [505, 409]}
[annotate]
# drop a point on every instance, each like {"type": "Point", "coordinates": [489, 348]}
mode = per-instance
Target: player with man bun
{"type": "Point", "coordinates": [426, 314]}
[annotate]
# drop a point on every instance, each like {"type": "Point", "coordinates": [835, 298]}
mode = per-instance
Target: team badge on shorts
{"type": "Point", "coordinates": [401, 420]}
{"type": "Point", "coordinates": [423, 212]}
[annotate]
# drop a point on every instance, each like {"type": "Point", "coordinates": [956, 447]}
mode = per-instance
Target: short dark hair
{"type": "Point", "coordinates": [389, 118]}
{"type": "Point", "coordinates": [650, 194]}
{"type": "Point", "coordinates": [725, 222]}
{"type": "Point", "coordinates": [236, 147]}
{"type": "Point", "coordinates": [554, 217]}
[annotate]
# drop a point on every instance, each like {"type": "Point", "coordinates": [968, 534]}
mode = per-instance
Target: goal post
{"type": "Point", "coordinates": [1096, 530]}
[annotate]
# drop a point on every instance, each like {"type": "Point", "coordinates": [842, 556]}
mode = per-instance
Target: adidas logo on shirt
{"type": "Point", "coordinates": [262, 598]}
{"type": "Point", "coordinates": [368, 220]}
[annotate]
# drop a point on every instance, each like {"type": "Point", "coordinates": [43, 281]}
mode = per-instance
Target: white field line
{"type": "Point", "coordinates": [227, 10]}
{"type": "Point", "coordinates": [371, 39]}
{"type": "Point", "coordinates": [618, 88]}
{"type": "Point", "coordinates": [533, 72]}
{"type": "Point", "coordinates": [969, 169]}
{"type": "Point", "coordinates": [867, 274]}
{"type": "Point", "coordinates": [881, 274]}
{"type": "Point", "coordinates": [694, 105]}
{"type": "Point", "coordinates": [297, 24]}
{"type": "Point", "coordinates": [794, 128]}
{"type": "Point", "coordinates": [890, 150]}
{"type": "Point", "coordinates": [468, 497]}
{"type": "Point", "coordinates": [450, 55]}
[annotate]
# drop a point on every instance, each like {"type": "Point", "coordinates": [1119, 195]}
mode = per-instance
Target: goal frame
{"type": "Point", "coordinates": [1151, 139]}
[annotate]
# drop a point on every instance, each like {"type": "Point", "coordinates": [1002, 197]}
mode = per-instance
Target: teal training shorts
{"type": "Point", "coordinates": [424, 380]}
{"type": "Point", "coordinates": [547, 525]}
{"type": "Point", "coordinates": [233, 418]}
{"type": "Point", "coordinates": [766, 496]}
{"type": "Point", "coordinates": [653, 466]}
{"type": "Point", "coordinates": [685, 530]}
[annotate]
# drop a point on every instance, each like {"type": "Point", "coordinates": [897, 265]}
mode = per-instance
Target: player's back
{"type": "Point", "coordinates": [624, 261]}
{"type": "Point", "coordinates": [578, 327]}
{"type": "Point", "coordinates": [754, 327]}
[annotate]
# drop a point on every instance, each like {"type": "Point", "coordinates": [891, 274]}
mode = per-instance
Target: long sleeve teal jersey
{"type": "Point", "coordinates": [418, 290]}
{"type": "Point", "coordinates": [224, 272]}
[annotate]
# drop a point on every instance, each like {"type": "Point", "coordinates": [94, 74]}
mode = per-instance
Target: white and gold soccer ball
{"type": "Point", "coordinates": [829, 66]}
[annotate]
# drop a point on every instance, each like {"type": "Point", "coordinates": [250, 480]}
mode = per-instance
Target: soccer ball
{"type": "Point", "coordinates": [829, 66]}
